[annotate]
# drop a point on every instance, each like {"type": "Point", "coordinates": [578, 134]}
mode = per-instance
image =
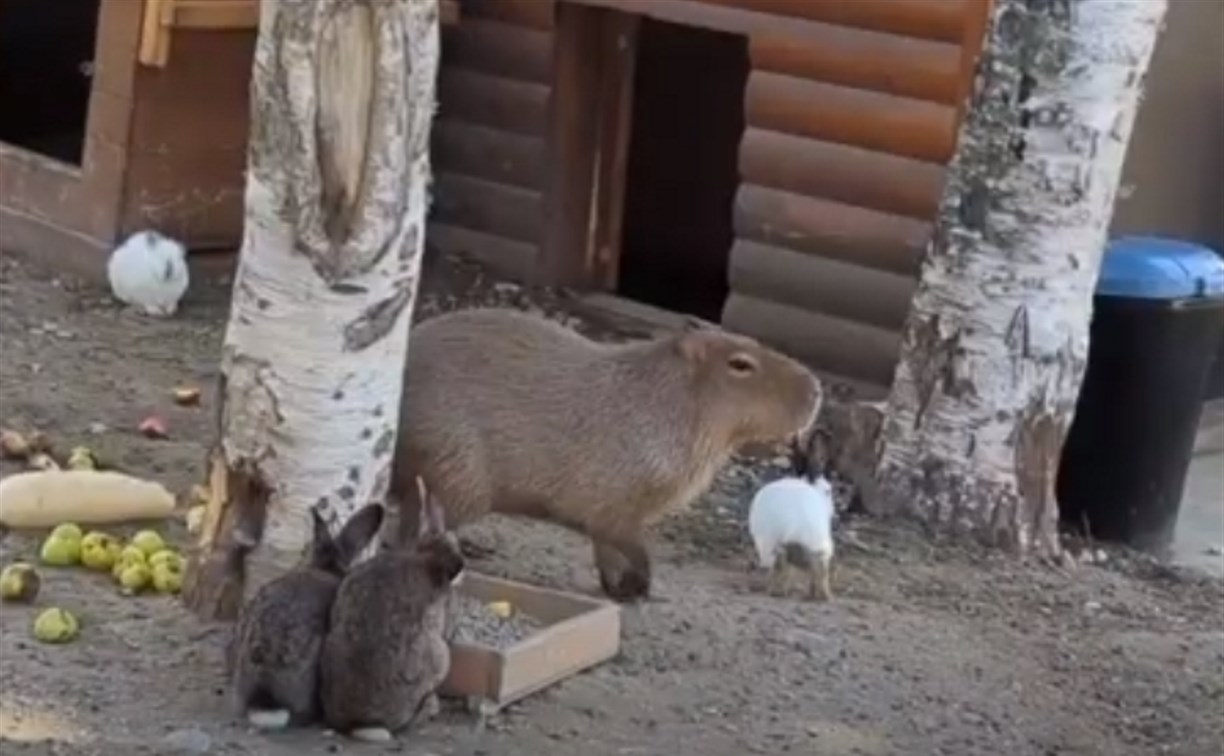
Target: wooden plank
{"type": "Point", "coordinates": [499, 49]}
{"type": "Point", "coordinates": [816, 283]}
{"type": "Point", "coordinates": [859, 352]}
{"type": "Point", "coordinates": [927, 19]}
{"type": "Point", "coordinates": [573, 145]}
{"type": "Point", "coordinates": [618, 43]}
{"type": "Point", "coordinates": [214, 14]}
{"type": "Point", "coordinates": [868, 60]}
{"type": "Point", "coordinates": [852, 234]}
{"type": "Point", "coordinates": [882, 122]}
{"type": "Point", "coordinates": [516, 106]}
{"type": "Point", "coordinates": [487, 206]}
{"type": "Point", "coordinates": [940, 20]}
{"type": "Point", "coordinates": [481, 152]}
{"type": "Point", "coordinates": [154, 33]}
{"type": "Point", "coordinates": [849, 175]}
{"type": "Point", "coordinates": [503, 256]}
{"type": "Point", "coordinates": [536, 14]}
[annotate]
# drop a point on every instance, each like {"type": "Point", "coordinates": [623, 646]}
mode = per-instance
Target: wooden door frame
{"type": "Point", "coordinates": [595, 58]}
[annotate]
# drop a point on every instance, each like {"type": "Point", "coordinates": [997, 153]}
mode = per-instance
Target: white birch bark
{"type": "Point", "coordinates": [343, 94]}
{"type": "Point", "coordinates": [995, 346]}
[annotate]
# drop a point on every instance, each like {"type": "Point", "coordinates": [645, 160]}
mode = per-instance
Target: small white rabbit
{"type": "Point", "coordinates": [149, 272]}
{"type": "Point", "coordinates": [791, 523]}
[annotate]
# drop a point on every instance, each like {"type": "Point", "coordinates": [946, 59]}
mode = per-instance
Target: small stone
{"type": "Point", "coordinates": [97, 429]}
{"type": "Point", "coordinates": [1092, 606]}
{"type": "Point", "coordinates": [188, 740]}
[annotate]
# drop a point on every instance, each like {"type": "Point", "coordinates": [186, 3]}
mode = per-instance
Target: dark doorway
{"type": "Point", "coordinates": [46, 56]}
{"type": "Point", "coordinates": [682, 173]}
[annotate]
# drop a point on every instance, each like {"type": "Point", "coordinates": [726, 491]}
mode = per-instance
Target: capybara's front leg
{"type": "Point", "coordinates": [624, 568]}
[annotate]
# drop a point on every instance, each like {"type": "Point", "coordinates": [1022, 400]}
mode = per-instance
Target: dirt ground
{"type": "Point", "coordinates": [928, 649]}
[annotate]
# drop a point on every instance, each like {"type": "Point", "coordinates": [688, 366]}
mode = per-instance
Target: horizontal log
{"type": "Point", "coordinates": [481, 152]}
{"type": "Point", "coordinates": [488, 207]}
{"type": "Point", "coordinates": [856, 351]}
{"type": "Point", "coordinates": [503, 256]}
{"type": "Point", "coordinates": [942, 20]}
{"type": "Point", "coordinates": [516, 106]}
{"type": "Point", "coordinates": [881, 241]}
{"type": "Point", "coordinates": [850, 175]}
{"type": "Point", "coordinates": [868, 60]}
{"type": "Point", "coordinates": [500, 49]}
{"type": "Point", "coordinates": [840, 289]}
{"type": "Point", "coordinates": [537, 14]}
{"type": "Point", "coordinates": [882, 122]}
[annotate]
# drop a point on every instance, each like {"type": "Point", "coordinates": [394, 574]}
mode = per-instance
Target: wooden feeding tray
{"type": "Point", "coordinates": [578, 632]}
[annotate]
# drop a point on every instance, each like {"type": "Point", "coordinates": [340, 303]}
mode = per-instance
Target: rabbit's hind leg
{"type": "Point", "coordinates": [819, 573]}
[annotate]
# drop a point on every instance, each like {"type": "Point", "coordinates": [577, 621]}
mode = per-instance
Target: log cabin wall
{"type": "Point", "coordinates": [852, 113]}
{"type": "Point", "coordinates": [489, 138]}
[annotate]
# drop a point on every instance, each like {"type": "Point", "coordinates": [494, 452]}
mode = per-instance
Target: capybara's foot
{"type": "Point", "coordinates": [628, 586]}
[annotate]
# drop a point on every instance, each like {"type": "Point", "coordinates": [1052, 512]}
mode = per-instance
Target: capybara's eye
{"type": "Point", "coordinates": [741, 364]}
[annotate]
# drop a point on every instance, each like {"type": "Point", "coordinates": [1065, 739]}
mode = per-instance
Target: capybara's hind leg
{"type": "Point", "coordinates": [624, 568]}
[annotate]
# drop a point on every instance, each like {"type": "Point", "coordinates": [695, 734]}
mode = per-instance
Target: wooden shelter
{"type": "Point", "coordinates": [775, 164]}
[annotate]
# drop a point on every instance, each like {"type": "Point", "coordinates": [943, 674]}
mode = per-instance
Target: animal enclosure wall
{"type": "Point", "coordinates": [849, 117]}
{"type": "Point", "coordinates": [163, 144]}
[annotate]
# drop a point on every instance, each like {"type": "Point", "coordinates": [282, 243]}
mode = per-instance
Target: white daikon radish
{"type": "Point", "coordinates": [46, 498]}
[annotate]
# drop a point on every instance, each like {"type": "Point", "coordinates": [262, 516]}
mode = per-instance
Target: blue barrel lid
{"type": "Point", "coordinates": [1149, 267]}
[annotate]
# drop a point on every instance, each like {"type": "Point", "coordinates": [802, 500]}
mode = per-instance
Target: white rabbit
{"type": "Point", "coordinates": [791, 523]}
{"type": "Point", "coordinates": [149, 272]}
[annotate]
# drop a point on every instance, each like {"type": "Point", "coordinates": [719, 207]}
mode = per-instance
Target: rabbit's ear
{"type": "Point", "coordinates": [429, 519]}
{"type": "Point", "coordinates": [322, 549]}
{"type": "Point", "coordinates": [358, 532]}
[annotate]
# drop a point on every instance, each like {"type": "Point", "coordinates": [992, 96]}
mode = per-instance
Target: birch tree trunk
{"type": "Point", "coordinates": [994, 349]}
{"type": "Point", "coordinates": [342, 99]}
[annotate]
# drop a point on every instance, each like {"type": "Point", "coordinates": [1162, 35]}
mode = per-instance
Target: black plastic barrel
{"type": "Point", "coordinates": [1157, 323]}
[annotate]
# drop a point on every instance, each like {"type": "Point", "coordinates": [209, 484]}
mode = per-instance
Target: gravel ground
{"type": "Point", "coordinates": [929, 648]}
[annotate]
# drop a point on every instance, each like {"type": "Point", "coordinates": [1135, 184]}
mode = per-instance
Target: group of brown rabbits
{"type": "Point", "coordinates": [510, 413]}
{"type": "Point", "coordinates": [363, 649]}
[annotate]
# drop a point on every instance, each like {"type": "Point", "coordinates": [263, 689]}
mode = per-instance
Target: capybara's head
{"type": "Point", "coordinates": [748, 390]}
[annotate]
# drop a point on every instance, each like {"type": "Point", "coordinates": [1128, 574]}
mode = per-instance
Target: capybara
{"type": "Point", "coordinates": [513, 413]}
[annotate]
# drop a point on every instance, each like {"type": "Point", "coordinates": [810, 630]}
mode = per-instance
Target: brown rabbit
{"type": "Point", "coordinates": [274, 651]}
{"type": "Point", "coordinates": [386, 653]}
{"type": "Point", "coordinates": [513, 413]}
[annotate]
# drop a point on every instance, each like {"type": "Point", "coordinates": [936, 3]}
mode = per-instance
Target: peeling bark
{"type": "Point", "coordinates": [343, 96]}
{"type": "Point", "coordinates": [995, 345]}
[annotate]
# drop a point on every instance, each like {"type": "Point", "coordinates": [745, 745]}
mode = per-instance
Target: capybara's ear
{"type": "Point", "coordinates": [693, 345]}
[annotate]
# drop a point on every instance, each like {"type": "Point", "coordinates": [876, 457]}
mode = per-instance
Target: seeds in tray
{"type": "Point", "coordinates": [480, 623]}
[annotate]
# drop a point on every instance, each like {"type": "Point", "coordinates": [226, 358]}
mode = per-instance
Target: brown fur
{"type": "Point", "coordinates": [512, 413]}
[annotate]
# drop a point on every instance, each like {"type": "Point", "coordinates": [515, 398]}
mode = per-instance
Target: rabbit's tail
{"type": "Point", "coordinates": [371, 734]}
{"type": "Point", "coordinates": [268, 719]}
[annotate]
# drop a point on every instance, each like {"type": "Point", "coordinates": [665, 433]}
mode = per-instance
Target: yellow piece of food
{"type": "Point", "coordinates": [167, 578]}
{"type": "Point", "coordinates": [128, 557]}
{"type": "Point", "coordinates": [56, 625]}
{"type": "Point", "coordinates": [502, 609]}
{"type": "Point", "coordinates": [68, 530]}
{"type": "Point", "coordinates": [167, 557]}
{"type": "Point", "coordinates": [82, 458]}
{"type": "Point", "coordinates": [45, 498]}
{"type": "Point", "coordinates": [100, 551]}
{"type": "Point", "coordinates": [19, 583]}
{"type": "Point", "coordinates": [135, 578]}
{"type": "Point", "coordinates": [60, 552]}
{"type": "Point", "coordinates": [148, 541]}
